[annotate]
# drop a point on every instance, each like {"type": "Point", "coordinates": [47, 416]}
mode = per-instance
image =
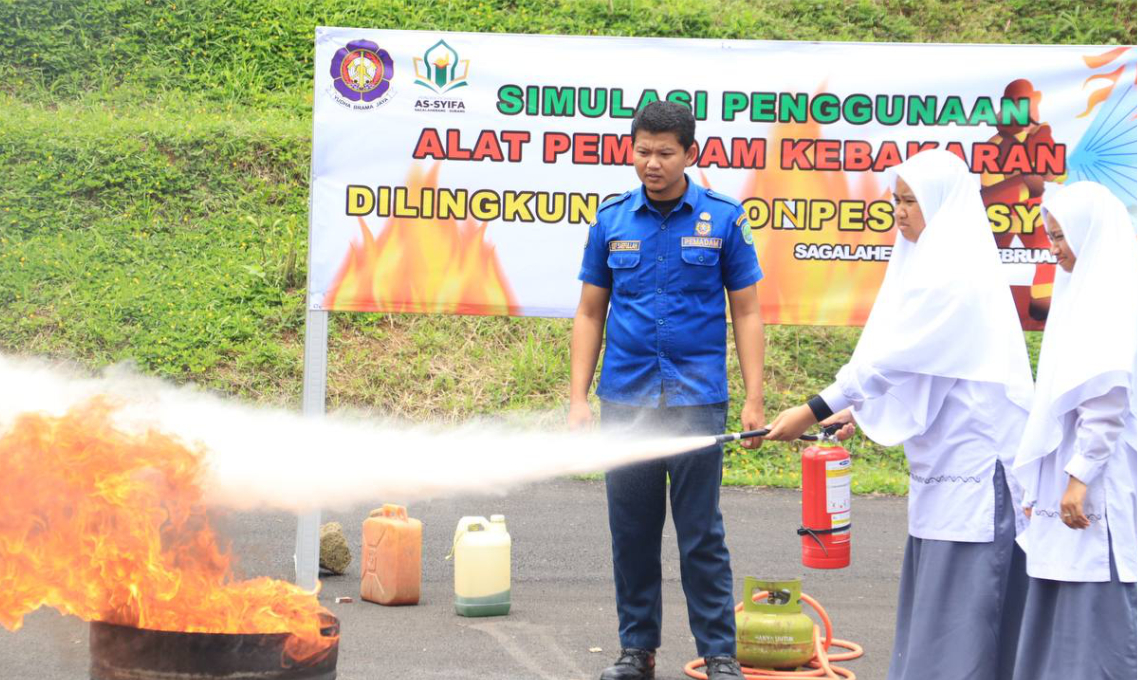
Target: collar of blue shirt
{"type": "Point", "coordinates": [639, 198]}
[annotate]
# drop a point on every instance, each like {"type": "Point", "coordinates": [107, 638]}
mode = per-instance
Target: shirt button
{"type": "Point", "coordinates": [701, 258]}
{"type": "Point", "coordinates": [659, 258]}
{"type": "Point", "coordinates": [663, 227]}
{"type": "Point", "coordinates": [659, 291]}
{"type": "Point", "coordinates": [663, 354]}
{"type": "Point", "coordinates": [660, 321]}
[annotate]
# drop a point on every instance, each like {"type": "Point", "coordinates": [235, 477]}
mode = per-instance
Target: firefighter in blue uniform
{"type": "Point", "coordinates": [656, 263]}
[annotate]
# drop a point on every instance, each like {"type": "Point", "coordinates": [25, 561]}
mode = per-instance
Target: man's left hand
{"type": "Point", "coordinates": [791, 423]}
{"type": "Point", "coordinates": [753, 419]}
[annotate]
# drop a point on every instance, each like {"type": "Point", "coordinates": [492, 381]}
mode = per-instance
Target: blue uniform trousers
{"type": "Point", "coordinates": [636, 502]}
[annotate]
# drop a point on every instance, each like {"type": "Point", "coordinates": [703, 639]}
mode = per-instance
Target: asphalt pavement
{"type": "Point", "coordinates": [562, 589]}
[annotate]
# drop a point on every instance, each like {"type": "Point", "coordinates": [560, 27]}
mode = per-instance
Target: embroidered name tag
{"type": "Point", "coordinates": [616, 246]}
{"type": "Point", "coordinates": [701, 242]}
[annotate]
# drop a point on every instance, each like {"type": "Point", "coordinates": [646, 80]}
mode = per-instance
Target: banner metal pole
{"type": "Point", "coordinates": [306, 559]}
{"type": "Point", "coordinates": [315, 388]}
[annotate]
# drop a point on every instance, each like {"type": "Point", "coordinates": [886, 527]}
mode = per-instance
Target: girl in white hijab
{"type": "Point", "coordinates": [1077, 458]}
{"type": "Point", "coordinates": [942, 367]}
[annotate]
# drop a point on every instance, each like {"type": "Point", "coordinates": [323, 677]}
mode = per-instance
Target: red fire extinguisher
{"type": "Point", "coordinates": [825, 529]}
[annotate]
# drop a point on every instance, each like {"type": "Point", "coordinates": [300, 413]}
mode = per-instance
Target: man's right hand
{"type": "Point", "coordinates": [580, 415]}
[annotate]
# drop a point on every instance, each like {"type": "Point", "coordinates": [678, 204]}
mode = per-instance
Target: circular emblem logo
{"type": "Point", "coordinates": [362, 71]}
{"type": "Point", "coordinates": [703, 228]}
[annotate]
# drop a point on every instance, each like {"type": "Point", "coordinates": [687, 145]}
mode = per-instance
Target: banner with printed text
{"type": "Point", "coordinates": [458, 172]}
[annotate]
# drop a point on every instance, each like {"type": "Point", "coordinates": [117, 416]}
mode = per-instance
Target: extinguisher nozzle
{"type": "Point", "coordinates": [736, 436]}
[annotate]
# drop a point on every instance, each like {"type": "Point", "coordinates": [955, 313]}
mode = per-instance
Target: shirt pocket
{"type": "Point", "coordinates": [625, 268]}
{"type": "Point", "coordinates": [701, 269]}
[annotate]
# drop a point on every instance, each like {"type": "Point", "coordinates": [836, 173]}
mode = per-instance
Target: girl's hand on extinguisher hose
{"type": "Point", "coordinates": [846, 420]}
{"type": "Point", "coordinates": [790, 424]}
{"type": "Point", "coordinates": [753, 419]}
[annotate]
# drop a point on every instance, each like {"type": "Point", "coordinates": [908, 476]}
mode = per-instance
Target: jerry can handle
{"type": "Point", "coordinates": [473, 526]}
{"type": "Point", "coordinates": [390, 510]}
{"type": "Point", "coordinates": [397, 511]}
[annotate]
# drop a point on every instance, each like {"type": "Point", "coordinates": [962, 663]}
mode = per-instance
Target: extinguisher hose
{"type": "Point", "coordinates": [827, 431]}
{"type": "Point", "coordinates": [813, 533]}
{"type": "Point", "coordinates": [821, 666]}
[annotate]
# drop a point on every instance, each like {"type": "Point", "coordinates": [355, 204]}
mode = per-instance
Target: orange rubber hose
{"type": "Point", "coordinates": [820, 666]}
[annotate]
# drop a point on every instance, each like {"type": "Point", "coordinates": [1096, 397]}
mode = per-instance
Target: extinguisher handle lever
{"type": "Point", "coordinates": [828, 432]}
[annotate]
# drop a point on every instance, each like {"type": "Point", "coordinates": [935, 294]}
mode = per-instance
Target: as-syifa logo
{"type": "Point", "coordinates": [440, 70]}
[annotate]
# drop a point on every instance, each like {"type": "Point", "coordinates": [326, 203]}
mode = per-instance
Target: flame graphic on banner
{"type": "Point", "coordinates": [422, 265]}
{"type": "Point", "coordinates": [1103, 93]}
{"type": "Point", "coordinates": [831, 293]}
{"type": "Point", "coordinates": [109, 526]}
{"type": "Point", "coordinates": [1105, 152]}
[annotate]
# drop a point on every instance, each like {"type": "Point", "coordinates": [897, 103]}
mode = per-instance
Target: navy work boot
{"type": "Point", "coordinates": [633, 664]}
{"type": "Point", "coordinates": [723, 668]}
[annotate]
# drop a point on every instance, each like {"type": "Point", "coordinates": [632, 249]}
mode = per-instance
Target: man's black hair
{"type": "Point", "coordinates": [663, 116]}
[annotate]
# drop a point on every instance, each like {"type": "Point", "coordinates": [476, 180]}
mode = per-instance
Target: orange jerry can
{"type": "Point", "coordinates": [393, 557]}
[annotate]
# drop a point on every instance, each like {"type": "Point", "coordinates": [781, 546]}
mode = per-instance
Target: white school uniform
{"type": "Point", "coordinates": [1079, 619]}
{"type": "Point", "coordinates": [1092, 451]}
{"type": "Point", "coordinates": [942, 366]}
{"type": "Point", "coordinates": [952, 461]}
{"type": "Point", "coordinates": [1082, 423]}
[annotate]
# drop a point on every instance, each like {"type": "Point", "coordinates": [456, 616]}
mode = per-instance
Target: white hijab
{"type": "Point", "coordinates": [944, 308]}
{"type": "Point", "coordinates": [1091, 340]}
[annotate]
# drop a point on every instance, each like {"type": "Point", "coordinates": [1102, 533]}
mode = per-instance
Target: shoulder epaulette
{"type": "Point", "coordinates": [615, 200]}
{"type": "Point", "coordinates": [720, 197]}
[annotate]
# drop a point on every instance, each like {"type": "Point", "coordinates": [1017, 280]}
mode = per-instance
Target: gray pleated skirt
{"type": "Point", "coordinates": [1078, 630]}
{"type": "Point", "coordinates": [961, 604]}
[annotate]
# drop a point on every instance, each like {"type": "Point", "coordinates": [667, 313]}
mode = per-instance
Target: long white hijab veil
{"type": "Point", "coordinates": [944, 308]}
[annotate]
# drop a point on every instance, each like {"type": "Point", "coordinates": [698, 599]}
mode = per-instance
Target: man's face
{"type": "Point", "coordinates": [660, 162]}
{"type": "Point", "coordinates": [1060, 247]}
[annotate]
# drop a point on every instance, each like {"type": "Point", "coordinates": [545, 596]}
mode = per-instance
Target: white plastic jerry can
{"type": "Point", "coordinates": [482, 567]}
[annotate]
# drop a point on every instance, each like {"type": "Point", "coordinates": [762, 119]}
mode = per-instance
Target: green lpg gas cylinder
{"type": "Point", "coordinates": [773, 632]}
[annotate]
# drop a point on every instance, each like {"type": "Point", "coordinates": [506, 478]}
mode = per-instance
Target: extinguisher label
{"type": "Point", "coordinates": [838, 489]}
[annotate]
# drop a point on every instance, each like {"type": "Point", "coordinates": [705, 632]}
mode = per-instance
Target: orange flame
{"type": "Point", "coordinates": [423, 265]}
{"type": "Point", "coordinates": [1098, 61]}
{"type": "Point", "coordinates": [1100, 95]}
{"type": "Point", "coordinates": [110, 526]}
{"type": "Point", "coordinates": [830, 293]}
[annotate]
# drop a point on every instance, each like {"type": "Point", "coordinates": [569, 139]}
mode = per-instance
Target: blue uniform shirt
{"type": "Point", "coordinates": [666, 333]}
